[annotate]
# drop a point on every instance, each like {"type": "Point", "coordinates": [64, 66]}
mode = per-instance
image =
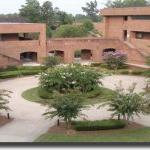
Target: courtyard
{"type": "Point", "coordinates": [28, 123]}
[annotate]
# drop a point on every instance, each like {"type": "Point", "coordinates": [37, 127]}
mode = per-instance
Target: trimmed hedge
{"type": "Point", "coordinates": [98, 125]}
{"type": "Point", "coordinates": [12, 74]}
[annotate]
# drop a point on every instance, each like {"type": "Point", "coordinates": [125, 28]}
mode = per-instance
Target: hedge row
{"type": "Point", "coordinates": [98, 125]}
{"type": "Point", "coordinates": [12, 74]}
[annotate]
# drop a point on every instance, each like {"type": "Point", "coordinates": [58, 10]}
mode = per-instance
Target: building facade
{"type": "Point", "coordinates": [124, 29]}
{"type": "Point", "coordinates": [131, 25]}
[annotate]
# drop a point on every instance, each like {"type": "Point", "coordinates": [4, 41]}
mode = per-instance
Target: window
{"type": "Point", "coordinates": [125, 18]}
{"type": "Point", "coordinates": [139, 35]}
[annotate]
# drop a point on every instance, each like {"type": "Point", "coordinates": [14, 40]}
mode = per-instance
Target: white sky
{"type": "Point", "coordinates": [70, 6]}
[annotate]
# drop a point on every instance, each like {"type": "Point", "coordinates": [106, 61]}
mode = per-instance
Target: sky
{"type": "Point", "coordinates": [70, 6]}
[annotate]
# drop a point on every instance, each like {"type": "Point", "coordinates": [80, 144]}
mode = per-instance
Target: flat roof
{"type": "Point", "coordinates": [128, 11]}
{"type": "Point", "coordinates": [18, 23]}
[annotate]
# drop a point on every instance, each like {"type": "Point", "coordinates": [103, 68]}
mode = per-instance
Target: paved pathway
{"type": "Point", "coordinates": [28, 122]}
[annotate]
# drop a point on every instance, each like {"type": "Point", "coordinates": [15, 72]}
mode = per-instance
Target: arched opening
{"type": "Point", "coordinates": [108, 50]}
{"type": "Point", "coordinates": [28, 57]}
{"type": "Point", "coordinates": [57, 53]}
{"type": "Point", "coordinates": [86, 54]}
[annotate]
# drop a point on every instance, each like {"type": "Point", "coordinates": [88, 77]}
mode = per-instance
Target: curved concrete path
{"type": "Point", "coordinates": [28, 121]}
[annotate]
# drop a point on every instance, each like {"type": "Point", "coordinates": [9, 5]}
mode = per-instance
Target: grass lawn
{"type": "Point", "coordinates": [104, 95]}
{"type": "Point", "coordinates": [127, 135]}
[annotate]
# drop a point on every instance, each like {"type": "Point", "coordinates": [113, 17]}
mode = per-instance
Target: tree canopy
{"type": "Point", "coordinates": [127, 3]}
{"type": "Point", "coordinates": [91, 10]}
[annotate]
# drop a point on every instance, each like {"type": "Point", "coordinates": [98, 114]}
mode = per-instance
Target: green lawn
{"type": "Point", "coordinates": [134, 135]}
{"type": "Point", "coordinates": [90, 98]}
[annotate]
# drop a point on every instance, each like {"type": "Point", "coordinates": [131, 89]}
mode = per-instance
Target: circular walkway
{"type": "Point", "coordinates": [28, 121]}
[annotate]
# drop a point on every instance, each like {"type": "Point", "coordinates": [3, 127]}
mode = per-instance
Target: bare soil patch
{"type": "Point", "coordinates": [4, 120]}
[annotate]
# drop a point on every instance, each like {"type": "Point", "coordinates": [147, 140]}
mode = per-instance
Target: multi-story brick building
{"type": "Point", "coordinates": [124, 29]}
{"type": "Point", "coordinates": [131, 25]}
{"type": "Point", "coordinates": [21, 42]}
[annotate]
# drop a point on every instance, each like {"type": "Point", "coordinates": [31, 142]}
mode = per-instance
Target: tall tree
{"type": "Point", "coordinates": [31, 10]}
{"type": "Point", "coordinates": [47, 13]}
{"type": "Point", "coordinates": [127, 3]}
{"type": "Point", "coordinates": [91, 10]}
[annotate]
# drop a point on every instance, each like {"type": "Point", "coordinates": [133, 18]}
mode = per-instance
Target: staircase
{"type": "Point", "coordinates": [134, 55]}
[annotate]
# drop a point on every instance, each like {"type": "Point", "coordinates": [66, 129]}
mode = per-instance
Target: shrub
{"type": "Point", "coordinates": [98, 125]}
{"type": "Point", "coordinates": [72, 77]}
{"type": "Point", "coordinates": [43, 93]}
{"type": "Point", "coordinates": [77, 54]}
{"type": "Point", "coordinates": [126, 104]}
{"type": "Point", "coordinates": [88, 25]}
{"type": "Point", "coordinates": [12, 74]}
{"type": "Point", "coordinates": [52, 61]}
{"type": "Point", "coordinates": [67, 107]}
{"type": "Point", "coordinates": [115, 60]}
{"type": "Point", "coordinates": [70, 31]}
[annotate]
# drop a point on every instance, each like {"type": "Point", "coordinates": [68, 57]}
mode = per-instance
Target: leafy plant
{"type": "Point", "coordinates": [115, 60]}
{"type": "Point", "coordinates": [66, 106]}
{"type": "Point", "coordinates": [72, 77]}
{"type": "Point", "coordinates": [4, 95]}
{"type": "Point", "coordinates": [52, 61]}
{"type": "Point", "coordinates": [126, 104]}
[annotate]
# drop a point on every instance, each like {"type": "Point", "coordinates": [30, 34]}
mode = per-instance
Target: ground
{"type": "Point", "coordinates": [28, 121]}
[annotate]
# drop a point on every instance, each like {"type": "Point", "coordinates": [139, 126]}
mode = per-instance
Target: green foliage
{"type": "Point", "coordinates": [4, 95]}
{"type": "Point", "coordinates": [88, 25]}
{"type": "Point", "coordinates": [127, 3]}
{"type": "Point", "coordinates": [70, 31]}
{"type": "Point", "coordinates": [127, 104]}
{"type": "Point", "coordinates": [20, 71]}
{"type": "Point", "coordinates": [77, 54]}
{"type": "Point", "coordinates": [52, 61]}
{"type": "Point", "coordinates": [91, 10]}
{"type": "Point", "coordinates": [66, 106]}
{"type": "Point", "coordinates": [115, 60]}
{"type": "Point", "coordinates": [98, 125]}
{"type": "Point", "coordinates": [31, 10]}
{"type": "Point", "coordinates": [72, 77]}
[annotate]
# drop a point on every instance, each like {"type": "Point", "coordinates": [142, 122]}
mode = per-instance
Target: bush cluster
{"type": "Point", "coordinates": [72, 77]}
{"type": "Point", "coordinates": [115, 60]}
{"type": "Point", "coordinates": [98, 125]}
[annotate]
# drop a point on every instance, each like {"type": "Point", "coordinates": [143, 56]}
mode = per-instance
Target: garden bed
{"type": "Point", "coordinates": [131, 133]}
{"type": "Point", "coordinates": [99, 95]}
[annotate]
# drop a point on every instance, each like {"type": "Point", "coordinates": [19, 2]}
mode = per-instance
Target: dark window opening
{"type": "Point", "coordinates": [28, 57]}
{"type": "Point", "coordinates": [125, 34]}
{"type": "Point", "coordinates": [125, 18]}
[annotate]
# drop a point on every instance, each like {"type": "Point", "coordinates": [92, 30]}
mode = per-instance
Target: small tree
{"type": "Point", "coordinates": [115, 60]}
{"type": "Point", "coordinates": [4, 95]}
{"type": "Point", "coordinates": [52, 61]}
{"type": "Point", "coordinates": [68, 107]}
{"type": "Point", "coordinates": [126, 104]}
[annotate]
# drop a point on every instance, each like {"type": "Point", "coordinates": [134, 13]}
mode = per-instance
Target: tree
{"type": "Point", "coordinates": [68, 107]}
{"type": "Point", "coordinates": [47, 13]}
{"type": "Point", "coordinates": [31, 11]}
{"type": "Point", "coordinates": [126, 104]}
{"type": "Point", "coordinates": [91, 10]}
{"type": "Point", "coordinates": [127, 3]}
{"type": "Point", "coordinates": [4, 95]}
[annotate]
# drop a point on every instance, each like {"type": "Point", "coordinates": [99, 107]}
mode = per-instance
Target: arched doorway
{"type": "Point", "coordinates": [59, 53]}
{"type": "Point", "coordinates": [28, 57]}
{"type": "Point", "coordinates": [108, 50]}
{"type": "Point", "coordinates": [86, 54]}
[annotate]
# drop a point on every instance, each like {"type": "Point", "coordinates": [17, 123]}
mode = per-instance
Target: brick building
{"type": "Point", "coordinates": [124, 29]}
